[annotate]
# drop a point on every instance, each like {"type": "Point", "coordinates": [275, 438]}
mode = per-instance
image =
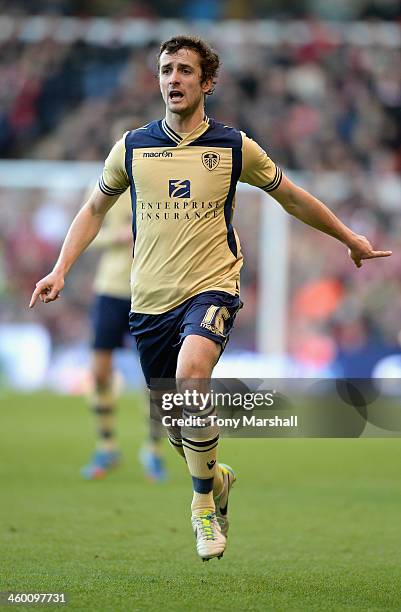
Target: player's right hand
{"type": "Point", "coordinates": [47, 289]}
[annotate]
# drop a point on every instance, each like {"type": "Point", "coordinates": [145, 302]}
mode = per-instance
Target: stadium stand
{"type": "Point", "coordinates": [323, 98]}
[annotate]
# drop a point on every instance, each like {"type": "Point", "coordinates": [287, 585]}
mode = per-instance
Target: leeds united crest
{"type": "Point", "coordinates": [210, 160]}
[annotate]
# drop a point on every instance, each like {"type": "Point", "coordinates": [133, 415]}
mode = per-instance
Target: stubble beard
{"type": "Point", "coordinates": [188, 110]}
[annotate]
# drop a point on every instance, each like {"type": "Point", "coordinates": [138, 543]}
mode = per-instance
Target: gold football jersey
{"type": "Point", "coordinates": [183, 199]}
{"type": "Point", "coordinates": [114, 268]}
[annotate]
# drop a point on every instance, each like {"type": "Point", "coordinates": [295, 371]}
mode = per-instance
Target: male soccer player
{"type": "Point", "coordinates": [183, 172]}
{"type": "Point", "coordinates": [110, 314]}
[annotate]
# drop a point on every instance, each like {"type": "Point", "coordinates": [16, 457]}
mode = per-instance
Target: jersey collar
{"type": "Point", "coordinates": [196, 133]}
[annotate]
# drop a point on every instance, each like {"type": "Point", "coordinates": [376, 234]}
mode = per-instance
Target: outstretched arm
{"type": "Point", "coordinates": [82, 231]}
{"type": "Point", "coordinates": [310, 210]}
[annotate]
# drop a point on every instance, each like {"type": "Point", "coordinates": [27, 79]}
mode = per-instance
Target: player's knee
{"type": "Point", "coordinates": [193, 369]}
{"type": "Point", "coordinates": [193, 381]}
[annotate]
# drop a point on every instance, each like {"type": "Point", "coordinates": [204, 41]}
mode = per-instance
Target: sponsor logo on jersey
{"type": "Point", "coordinates": [179, 210]}
{"type": "Point", "coordinates": [179, 188]}
{"type": "Point", "coordinates": [210, 160]}
{"type": "Point", "coordinates": [157, 154]}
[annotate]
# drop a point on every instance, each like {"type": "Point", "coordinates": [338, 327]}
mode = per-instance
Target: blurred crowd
{"type": "Point", "coordinates": [328, 110]}
{"type": "Point", "coordinates": [314, 106]}
{"type": "Point", "coordinates": [209, 9]}
{"type": "Point", "coordinates": [34, 223]}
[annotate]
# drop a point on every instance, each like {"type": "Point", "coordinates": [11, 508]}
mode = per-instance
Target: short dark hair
{"type": "Point", "coordinates": [209, 60]}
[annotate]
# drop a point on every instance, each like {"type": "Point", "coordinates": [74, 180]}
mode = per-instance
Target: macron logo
{"type": "Point", "coordinates": [157, 154]}
{"type": "Point", "coordinates": [179, 189]}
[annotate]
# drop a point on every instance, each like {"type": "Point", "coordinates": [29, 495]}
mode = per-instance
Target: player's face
{"type": "Point", "coordinates": [180, 76]}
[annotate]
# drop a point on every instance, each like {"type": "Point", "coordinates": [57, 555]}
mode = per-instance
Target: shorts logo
{"type": "Point", "coordinates": [215, 318]}
{"type": "Point", "coordinates": [210, 160]}
{"type": "Point", "coordinates": [179, 189]}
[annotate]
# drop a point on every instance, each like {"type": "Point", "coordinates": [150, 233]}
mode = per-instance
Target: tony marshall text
{"type": "Point", "coordinates": [234, 423]}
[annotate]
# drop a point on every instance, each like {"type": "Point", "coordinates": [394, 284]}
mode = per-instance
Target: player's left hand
{"type": "Point", "coordinates": [362, 249]}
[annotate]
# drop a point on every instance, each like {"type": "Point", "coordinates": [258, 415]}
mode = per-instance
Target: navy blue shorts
{"type": "Point", "coordinates": [159, 337]}
{"type": "Point", "coordinates": [110, 322]}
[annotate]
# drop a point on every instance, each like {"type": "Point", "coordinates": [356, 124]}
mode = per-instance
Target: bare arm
{"type": "Point", "coordinates": [310, 210]}
{"type": "Point", "coordinates": [82, 231]}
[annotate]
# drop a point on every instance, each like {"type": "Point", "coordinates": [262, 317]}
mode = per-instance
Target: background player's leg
{"type": "Point", "coordinates": [103, 399]}
{"type": "Point", "coordinates": [151, 452]}
{"type": "Point", "coordinates": [156, 414]}
{"type": "Point", "coordinates": [103, 405]}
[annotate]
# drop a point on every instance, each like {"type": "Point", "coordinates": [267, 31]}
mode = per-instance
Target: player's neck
{"type": "Point", "coordinates": [185, 123]}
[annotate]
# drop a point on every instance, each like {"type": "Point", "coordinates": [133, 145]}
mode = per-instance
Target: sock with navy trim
{"type": "Point", "coordinates": [200, 444]}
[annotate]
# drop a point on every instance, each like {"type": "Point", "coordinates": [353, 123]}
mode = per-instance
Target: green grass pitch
{"type": "Point", "coordinates": [315, 524]}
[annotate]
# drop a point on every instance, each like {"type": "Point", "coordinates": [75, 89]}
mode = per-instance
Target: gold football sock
{"type": "Point", "coordinates": [103, 406]}
{"type": "Point", "coordinates": [218, 482]}
{"type": "Point", "coordinates": [200, 447]}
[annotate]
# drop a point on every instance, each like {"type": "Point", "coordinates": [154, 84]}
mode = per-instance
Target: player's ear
{"type": "Point", "coordinates": [207, 85]}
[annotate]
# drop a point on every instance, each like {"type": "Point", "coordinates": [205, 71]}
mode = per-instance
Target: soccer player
{"type": "Point", "coordinates": [182, 172]}
{"type": "Point", "coordinates": [110, 314]}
